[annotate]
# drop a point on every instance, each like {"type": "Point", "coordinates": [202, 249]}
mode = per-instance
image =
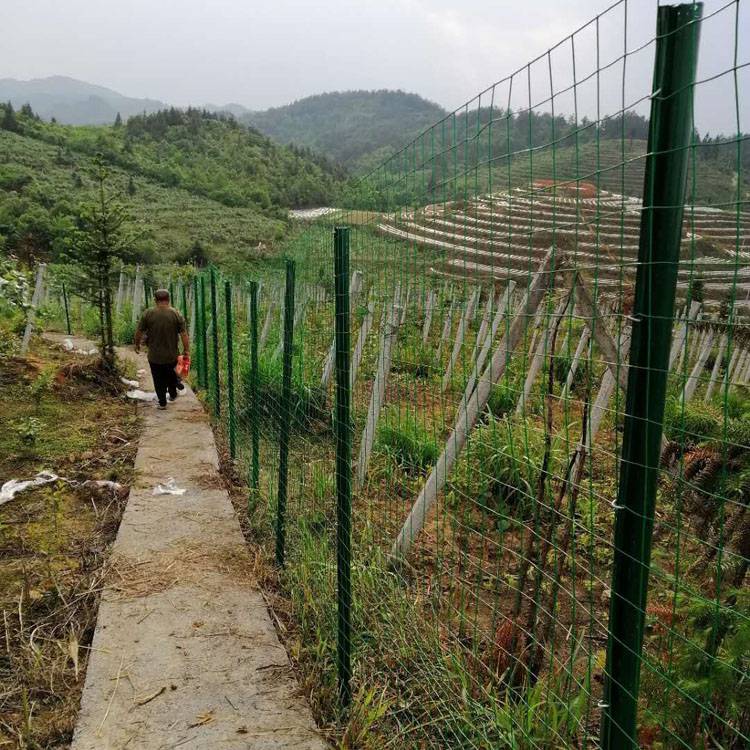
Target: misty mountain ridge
{"type": "Point", "coordinates": [354, 128]}
{"type": "Point", "coordinates": [74, 102]}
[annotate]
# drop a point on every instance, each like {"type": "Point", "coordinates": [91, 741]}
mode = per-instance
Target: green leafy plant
{"type": "Point", "coordinates": [28, 430]}
{"type": "Point", "coordinates": [501, 467]}
{"type": "Point", "coordinates": [307, 402]}
{"type": "Point", "coordinates": [708, 670]}
{"type": "Point", "coordinates": [691, 422]}
{"type": "Point", "coordinates": [407, 441]}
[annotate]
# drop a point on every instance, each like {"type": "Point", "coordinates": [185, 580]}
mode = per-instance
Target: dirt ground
{"type": "Point", "coordinates": [54, 539]}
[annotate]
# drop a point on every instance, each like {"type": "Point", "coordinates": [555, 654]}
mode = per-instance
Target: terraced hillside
{"type": "Point", "coordinates": [504, 235]}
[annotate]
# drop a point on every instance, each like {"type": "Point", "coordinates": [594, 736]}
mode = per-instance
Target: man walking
{"type": "Point", "coordinates": [163, 325]}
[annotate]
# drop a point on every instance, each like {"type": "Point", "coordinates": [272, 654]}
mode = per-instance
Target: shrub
{"type": "Point", "coordinates": [402, 437]}
{"type": "Point", "coordinates": [736, 403]}
{"type": "Point", "coordinates": [90, 323]}
{"type": "Point", "coordinates": [124, 331]}
{"type": "Point", "coordinates": [417, 360]}
{"type": "Point", "coordinates": [12, 321]}
{"type": "Point", "coordinates": [691, 422]}
{"type": "Point", "coordinates": [501, 467]}
{"type": "Point", "coordinates": [308, 402]}
{"type": "Point", "coordinates": [503, 399]}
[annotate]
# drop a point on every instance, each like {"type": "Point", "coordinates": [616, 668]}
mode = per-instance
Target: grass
{"type": "Point", "coordinates": [54, 538]}
{"type": "Point", "coordinates": [406, 441]}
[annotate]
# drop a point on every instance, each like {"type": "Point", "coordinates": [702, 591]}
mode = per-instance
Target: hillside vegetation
{"type": "Point", "coordinates": [196, 183]}
{"type": "Point", "coordinates": [486, 150]}
{"type": "Point", "coordinates": [357, 129]}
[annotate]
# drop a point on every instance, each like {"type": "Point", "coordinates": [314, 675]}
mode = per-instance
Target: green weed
{"type": "Point", "coordinates": [404, 438]}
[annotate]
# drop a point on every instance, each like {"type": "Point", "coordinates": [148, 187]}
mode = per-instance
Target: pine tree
{"type": "Point", "coordinates": [118, 121]}
{"type": "Point", "coordinates": [131, 186]}
{"type": "Point", "coordinates": [9, 121]}
{"type": "Point", "coordinates": [101, 245]}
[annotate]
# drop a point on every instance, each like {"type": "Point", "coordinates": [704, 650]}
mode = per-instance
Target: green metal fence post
{"type": "Point", "coordinates": [254, 424]}
{"type": "Point", "coordinates": [203, 334]}
{"type": "Point", "coordinates": [183, 296]}
{"type": "Point", "coordinates": [215, 375]}
{"type": "Point", "coordinates": [343, 465]}
{"type": "Point", "coordinates": [230, 370]}
{"type": "Point", "coordinates": [197, 310]}
{"type": "Point", "coordinates": [670, 134]}
{"type": "Point", "coordinates": [67, 310]}
{"type": "Point", "coordinates": [285, 413]}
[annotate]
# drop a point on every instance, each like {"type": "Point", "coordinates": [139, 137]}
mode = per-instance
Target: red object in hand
{"type": "Point", "coordinates": [183, 366]}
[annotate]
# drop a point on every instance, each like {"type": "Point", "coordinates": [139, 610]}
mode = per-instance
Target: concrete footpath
{"type": "Point", "coordinates": [185, 654]}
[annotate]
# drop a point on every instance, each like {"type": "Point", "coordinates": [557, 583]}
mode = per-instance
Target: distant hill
{"type": "Point", "coordinates": [355, 128]}
{"type": "Point", "coordinates": [73, 102]}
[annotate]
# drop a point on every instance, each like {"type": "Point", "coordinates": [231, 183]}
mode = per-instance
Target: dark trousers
{"type": "Point", "coordinates": [165, 379]}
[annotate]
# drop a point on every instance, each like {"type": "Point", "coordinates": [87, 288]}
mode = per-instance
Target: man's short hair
{"type": "Point", "coordinates": [161, 295]}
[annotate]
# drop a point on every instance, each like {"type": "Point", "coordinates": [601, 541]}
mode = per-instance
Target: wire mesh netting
{"type": "Point", "coordinates": [549, 538]}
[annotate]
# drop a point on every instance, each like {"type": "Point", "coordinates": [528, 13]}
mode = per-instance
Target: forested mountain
{"type": "Point", "coordinates": [189, 176]}
{"type": "Point", "coordinates": [206, 153]}
{"type": "Point", "coordinates": [354, 128]}
{"type": "Point", "coordinates": [74, 102]}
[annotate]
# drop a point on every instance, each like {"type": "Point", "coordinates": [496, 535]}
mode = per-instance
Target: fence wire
{"type": "Point", "coordinates": [495, 265]}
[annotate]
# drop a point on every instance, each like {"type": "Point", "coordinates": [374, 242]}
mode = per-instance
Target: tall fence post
{"type": "Point", "coordinates": [183, 299]}
{"type": "Point", "coordinates": [67, 310]}
{"type": "Point", "coordinates": [216, 384]}
{"type": "Point", "coordinates": [285, 413]}
{"type": "Point", "coordinates": [230, 371]}
{"type": "Point", "coordinates": [343, 465]}
{"type": "Point", "coordinates": [670, 132]}
{"type": "Point", "coordinates": [203, 335]}
{"type": "Point", "coordinates": [254, 425]}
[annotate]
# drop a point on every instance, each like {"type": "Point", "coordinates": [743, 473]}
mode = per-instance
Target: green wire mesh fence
{"type": "Point", "coordinates": [496, 428]}
{"type": "Point", "coordinates": [548, 532]}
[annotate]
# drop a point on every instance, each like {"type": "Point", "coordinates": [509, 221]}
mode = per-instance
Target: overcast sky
{"type": "Point", "coordinates": [263, 53]}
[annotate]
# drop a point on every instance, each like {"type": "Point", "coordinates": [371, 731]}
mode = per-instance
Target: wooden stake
{"type": "Point", "coordinates": [447, 324]}
{"type": "Point", "coordinates": [681, 333]}
{"type": "Point", "coordinates": [582, 342]}
{"type": "Point", "coordinates": [364, 332]}
{"type": "Point", "coordinates": [355, 284]}
{"type": "Point", "coordinates": [700, 364]}
{"type": "Point", "coordinates": [469, 413]}
{"type": "Point", "coordinates": [503, 308]}
{"type": "Point", "coordinates": [120, 293]}
{"type": "Point", "coordinates": [135, 313]}
{"type": "Point", "coordinates": [266, 325]}
{"type": "Point", "coordinates": [537, 359]}
{"type": "Point", "coordinates": [460, 333]}
{"type": "Point", "coordinates": [31, 313]}
{"type": "Point", "coordinates": [716, 368]}
{"type": "Point", "coordinates": [378, 392]}
{"type": "Point", "coordinates": [429, 307]}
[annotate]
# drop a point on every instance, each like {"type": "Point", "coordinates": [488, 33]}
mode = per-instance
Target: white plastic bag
{"type": "Point", "coordinates": [13, 486]}
{"type": "Point", "coordinates": [138, 395]}
{"type": "Point", "coordinates": [168, 488]}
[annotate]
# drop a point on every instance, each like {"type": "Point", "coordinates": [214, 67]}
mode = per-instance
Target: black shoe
{"type": "Point", "coordinates": [162, 405]}
{"type": "Point", "coordinates": [180, 386]}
